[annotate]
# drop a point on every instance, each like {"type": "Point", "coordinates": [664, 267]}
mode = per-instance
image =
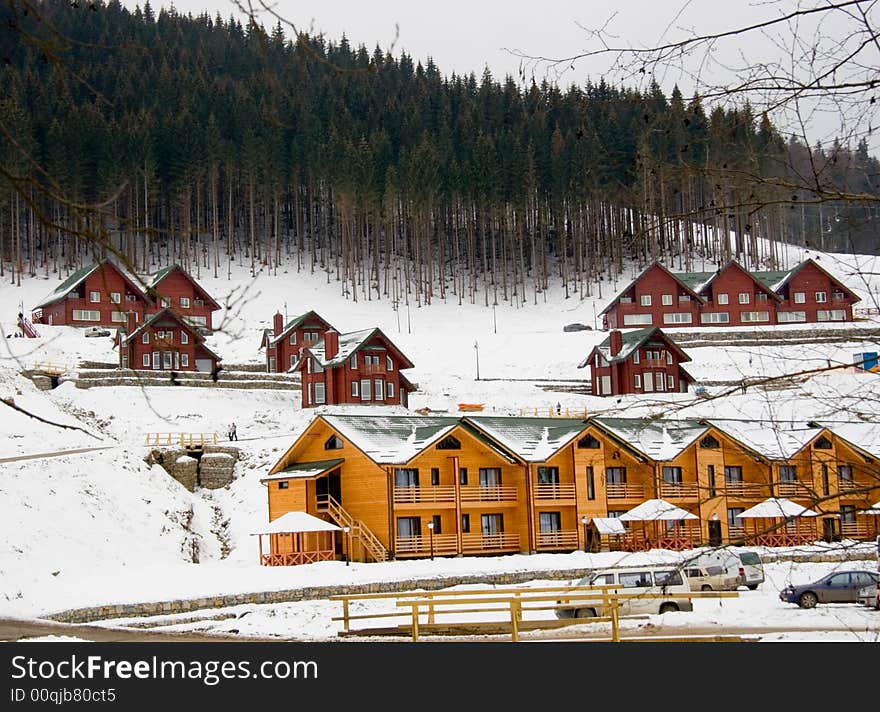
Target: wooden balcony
{"type": "Point", "coordinates": [489, 493]}
{"type": "Point", "coordinates": [736, 533]}
{"type": "Point", "coordinates": [860, 531]}
{"type": "Point", "coordinates": [566, 539]}
{"type": "Point", "coordinates": [746, 490]}
{"type": "Point", "coordinates": [622, 490]}
{"type": "Point", "coordinates": [680, 490]}
{"type": "Point", "coordinates": [790, 489]}
{"type": "Point", "coordinates": [426, 495]}
{"type": "Point", "coordinates": [554, 491]}
{"type": "Point", "coordinates": [847, 486]}
{"type": "Point", "coordinates": [486, 543]}
{"type": "Point", "coordinates": [373, 369]}
{"type": "Point", "coordinates": [444, 545]}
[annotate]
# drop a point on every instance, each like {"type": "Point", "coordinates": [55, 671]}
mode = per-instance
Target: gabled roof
{"type": "Point", "coordinates": [676, 277]}
{"type": "Point", "coordinates": [350, 344]}
{"type": "Point", "coordinates": [860, 435]}
{"type": "Point", "coordinates": [168, 313]}
{"type": "Point", "coordinates": [154, 279]}
{"type": "Point", "coordinates": [304, 470]}
{"type": "Point", "coordinates": [777, 280]}
{"type": "Point", "coordinates": [659, 440]}
{"type": "Point", "coordinates": [78, 277]}
{"type": "Point", "coordinates": [297, 522]}
{"type": "Point", "coordinates": [532, 439]}
{"type": "Point", "coordinates": [772, 440]}
{"type": "Point", "coordinates": [297, 321]}
{"type": "Point", "coordinates": [632, 340]}
{"type": "Point", "coordinates": [733, 264]}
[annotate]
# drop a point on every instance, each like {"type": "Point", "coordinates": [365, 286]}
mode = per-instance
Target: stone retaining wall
{"type": "Point", "coordinates": [132, 610]}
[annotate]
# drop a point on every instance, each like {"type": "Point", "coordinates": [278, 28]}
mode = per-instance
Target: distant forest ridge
{"type": "Point", "coordinates": [203, 141]}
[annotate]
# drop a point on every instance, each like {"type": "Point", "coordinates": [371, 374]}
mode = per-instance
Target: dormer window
{"type": "Point", "coordinates": [449, 443]}
{"type": "Point", "coordinates": [334, 443]}
{"type": "Point", "coordinates": [823, 443]}
{"type": "Point", "coordinates": [588, 442]}
{"type": "Point", "coordinates": [710, 443]}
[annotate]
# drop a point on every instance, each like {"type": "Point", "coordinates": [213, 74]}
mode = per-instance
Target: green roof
{"type": "Point", "coordinates": [771, 279]}
{"type": "Point", "coordinates": [304, 470]}
{"type": "Point", "coordinates": [68, 284]}
{"type": "Point", "coordinates": [695, 281]}
{"type": "Point", "coordinates": [660, 440]}
{"type": "Point", "coordinates": [630, 341]}
{"type": "Point", "coordinates": [533, 439]}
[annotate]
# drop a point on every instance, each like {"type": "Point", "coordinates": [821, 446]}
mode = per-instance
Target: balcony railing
{"type": "Point", "coordinates": [622, 490]}
{"type": "Point", "coordinates": [372, 369]}
{"type": "Point", "coordinates": [791, 489]}
{"type": "Point", "coordinates": [471, 543]}
{"type": "Point", "coordinates": [554, 491]}
{"type": "Point", "coordinates": [858, 530]}
{"type": "Point", "coordinates": [562, 539]}
{"type": "Point", "coordinates": [854, 486]}
{"type": "Point", "coordinates": [417, 495]}
{"type": "Point", "coordinates": [746, 490]}
{"type": "Point", "coordinates": [736, 533]}
{"type": "Point", "coordinates": [679, 490]}
{"type": "Point", "coordinates": [489, 493]}
{"type": "Point", "coordinates": [421, 545]}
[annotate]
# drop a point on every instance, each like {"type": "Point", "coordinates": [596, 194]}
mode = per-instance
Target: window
{"type": "Point", "coordinates": [165, 302]}
{"type": "Point", "coordinates": [316, 366]}
{"type": "Point", "coordinates": [184, 337]}
{"type": "Point", "coordinates": [845, 473]}
{"type": "Point", "coordinates": [677, 318]}
{"type": "Point", "coordinates": [549, 522]}
{"type": "Point", "coordinates": [709, 443]}
{"type": "Point", "coordinates": [389, 390]}
{"type": "Point", "coordinates": [156, 360]}
{"type": "Point", "coordinates": [198, 320]}
{"type": "Point", "coordinates": [659, 381]}
{"type": "Point", "coordinates": [715, 318]}
{"type": "Point", "coordinates": [334, 442]}
{"type": "Point", "coordinates": [310, 336]}
{"type": "Point", "coordinates": [389, 364]}
{"type": "Point", "coordinates": [435, 476]}
{"type": "Point", "coordinates": [830, 315]}
{"type": "Point", "coordinates": [366, 389]}
{"type": "Point", "coordinates": [199, 302]}
{"type": "Point", "coordinates": [822, 443]}
{"type": "Point", "coordinates": [648, 383]}
{"type": "Point", "coordinates": [645, 300]}
{"type": "Point", "coordinates": [371, 360]}
{"type": "Point", "coordinates": [591, 483]}
{"type": "Point", "coordinates": [637, 320]}
{"type": "Point", "coordinates": [86, 315]}
{"type": "Point", "coordinates": [449, 443]}
{"type": "Point", "coordinates": [490, 476]}
{"type": "Point", "coordinates": [94, 297]}
{"type": "Point", "coordinates": [604, 384]}
{"type": "Point", "coordinates": [462, 475]}
{"type": "Point", "coordinates": [710, 474]}
{"type": "Point", "coordinates": [601, 361]}
{"type": "Point", "coordinates": [166, 360]}
{"type": "Point", "coordinates": [838, 296]}
{"type": "Point", "coordinates": [615, 475]}
{"type": "Point", "coordinates": [115, 298]}
{"type": "Point", "coordinates": [800, 297]}
{"type": "Point", "coordinates": [292, 340]}
{"type": "Point", "coordinates": [406, 477]}
{"type": "Point", "coordinates": [184, 302]}
{"type": "Point", "coordinates": [666, 300]}
{"type": "Point", "coordinates": [788, 473]}
{"type": "Point", "coordinates": [436, 521]}
{"type": "Point", "coordinates": [847, 514]}
{"type": "Point", "coordinates": [118, 317]}
{"type": "Point", "coordinates": [465, 523]}
{"type": "Point", "coordinates": [548, 475]}
{"type": "Point", "coordinates": [733, 473]}
{"type": "Point", "coordinates": [652, 355]}
{"type": "Point", "coordinates": [145, 337]}
{"type": "Point", "coordinates": [588, 442]}
{"type": "Point", "coordinates": [752, 316]}
{"type": "Point", "coordinates": [635, 579]}
{"type": "Point", "coordinates": [283, 484]}
{"type": "Point", "coordinates": [744, 297]}
{"type": "Point", "coordinates": [670, 382]}
{"type": "Point", "coordinates": [787, 317]}
{"type": "Point", "coordinates": [635, 356]}
{"type": "Point", "coordinates": [355, 391]}
{"type": "Point", "coordinates": [669, 358]}
{"type": "Point", "coordinates": [684, 297]}
{"type": "Point", "coordinates": [378, 389]}
{"type": "Point", "coordinates": [320, 391]}
{"type": "Point", "coordinates": [761, 297]}
{"type": "Point", "coordinates": [732, 516]}
{"type": "Point", "coordinates": [492, 524]}
{"type": "Point", "coordinates": [146, 360]}
{"type": "Point", "coordinates": [821, 297]}
{"type": "Point", "coordinates": [721, 298]}
{"type": "Point", "coordinates": [310, 397]}
{"type": "Point", "coordinates": [637, 380]}
{"type": "Point", "coordinates": [672, 474]}
{"type": "Point", "coordinates": [131, 297]}
{"type": "Point", "coordinates": [184, 360]}
{"type": "Point", "coordinates": [825, 483]}
{"type": "Point", "coordinates": [409, 527]}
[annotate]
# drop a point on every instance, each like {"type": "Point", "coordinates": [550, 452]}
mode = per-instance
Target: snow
{"type": "Point", "coordinates": [297, 522]}
{"type": "Point", "coordinates": [776, 507]}
{"type": "Point", "coordinates": [652, 510]}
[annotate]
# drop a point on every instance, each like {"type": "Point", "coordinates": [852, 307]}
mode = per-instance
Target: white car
{"type": "Point", "coordinates": [96, 331]}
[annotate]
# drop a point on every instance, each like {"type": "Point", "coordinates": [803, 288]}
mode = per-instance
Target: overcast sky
{"type": "Point", "coordinates": [464, 37]}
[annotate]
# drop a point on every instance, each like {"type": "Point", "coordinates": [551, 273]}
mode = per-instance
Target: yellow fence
{"type": "Point", "coordinates": [182, 439]}
{"type": "Point", "coordinates": [554, 412]}
{"type": "Point", "coordinates": [48, 367]}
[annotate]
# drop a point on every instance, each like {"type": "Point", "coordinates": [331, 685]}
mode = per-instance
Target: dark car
{"type": "Point", "coordinates": [837, 587]}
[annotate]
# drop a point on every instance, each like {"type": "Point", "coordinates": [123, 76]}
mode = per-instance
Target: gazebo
{"type": "Point", "coordinates": [606, 534]}
{"type": "Point", "coordinates": [297, 538]}
{"type": "Point", "coordinates": [779, 522]}
{"type": "Point", "coordinates": [663, 526]}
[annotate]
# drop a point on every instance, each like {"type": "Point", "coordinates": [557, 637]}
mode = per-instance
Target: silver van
{"type": "Point", "coordinates": [666, 581]}
{"type": "Point", "coordinates": [745, 565]}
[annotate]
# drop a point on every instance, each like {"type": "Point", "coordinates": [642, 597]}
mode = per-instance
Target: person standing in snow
{"type": "Point", "coordinates": [232, 434]}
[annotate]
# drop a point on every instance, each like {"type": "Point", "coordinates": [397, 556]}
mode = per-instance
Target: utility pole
{"type": "Point", "coordinates": [477, 353]}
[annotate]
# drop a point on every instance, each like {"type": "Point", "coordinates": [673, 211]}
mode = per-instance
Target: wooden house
{"type": "Point", "coordinates": [165, 342]}
{"type": "Point", "coordinates": [174, 288]}
{"type": "Point", "coordinates": [284, 342]}
{"type": "Point", "coordinates": [730, 296]}
{"type": "Point", "coordinates": [100, 294]}
{"type": "Point", "coordinates": [360, 367]}
{"type": "Point", "coordinates": [637, 361]}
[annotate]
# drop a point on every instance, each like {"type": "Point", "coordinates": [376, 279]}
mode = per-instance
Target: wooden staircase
{"type": "Point", "coordinates": [358, 530]}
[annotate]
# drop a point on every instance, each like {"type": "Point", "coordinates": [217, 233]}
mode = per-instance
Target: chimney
{"type": "Point", "coordinates": [616, 342]}
{"type": "Point", "coordinates": [130, 321]}
{"type": "Point", "coordinates": [278, 323]}
{"type": "Point", "coordinates": [331, 343]}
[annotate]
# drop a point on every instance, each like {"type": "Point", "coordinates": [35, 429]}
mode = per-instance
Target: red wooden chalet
{"type": "Point", "coordinates": [638, 361]}
{"type": "Point", "coordinates": [165, 342]}
{"type": "Point", "coordinates": [284, 343]}
{"type": "Point", "coordinates": [358, 367]}
{"type": "Point", "coordinates": [173, 287]}
{"type": "Point", "coordinates": [100, 294]}
{"type": "Point", "coordinates": [730, 296]}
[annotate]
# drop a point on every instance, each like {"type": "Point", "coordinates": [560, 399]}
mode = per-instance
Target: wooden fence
{"type": "Point", "coordinates": [192, 440]}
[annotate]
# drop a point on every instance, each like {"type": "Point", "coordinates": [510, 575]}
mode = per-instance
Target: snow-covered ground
{"type": "Point", "coordinates": [102, 527]}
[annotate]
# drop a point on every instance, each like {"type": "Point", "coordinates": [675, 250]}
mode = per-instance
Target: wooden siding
{"type": "Point", "coordinates": [176, 285]}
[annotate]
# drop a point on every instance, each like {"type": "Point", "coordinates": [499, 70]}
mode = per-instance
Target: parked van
{"type": "Point", "coordinates": [711, 578]}
{"type": "Point", "coordinates": [664, 580]}
{"type": "Point", "coordinates": [746, 565]}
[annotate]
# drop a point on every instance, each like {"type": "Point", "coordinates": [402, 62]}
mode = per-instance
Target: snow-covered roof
{"type": "Point", "coordinates": [609, 525]}
{"type": "Point", "coordinates": [777, 507]}
{"type": "Point", "coordinates": [658, 439]}
{"type": "Point", "coordinates": [630, 341]}
{"type": "Point", "coordinates": [654, 510]}
{"type": "Point", "coordinates": [79, 276]}
{"type": "Point", "coordinates": [697, 281]}
{"type": "Point", "coordinates": [873, 509]}
{"type": "Point", "coordinates": [298, 321]}
{"type": "Point", "coordinates": [532, 439]}
{"type": "Point", "coordinates": [349, 343]}
{"type": "Point", "coordinates": [863, 435]}
{"type": "Point", "coordinates": [294, 522]}
{"type": "Point", "coordinates": [153, 280]}
{"type": "Point", "coordinates": [777, 441]}
{"type": "Point", "coordinates": [391, 439]}
{"type": "Point", "coordinates": [303, 470]}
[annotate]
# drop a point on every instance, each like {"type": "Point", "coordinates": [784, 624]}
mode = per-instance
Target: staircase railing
{"type": "Point", "coordinates": [358, 529]}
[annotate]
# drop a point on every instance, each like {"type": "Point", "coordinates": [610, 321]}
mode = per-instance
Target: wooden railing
{"type": "Point", "coordinates": [48, 367]}
{"type": "Point", "coordinates": [562, 539]}
{"type": "Point", "coordinates": [858, 530]}
{"type": "Point", "coordinates": [736, 533]}
{"type": "Point", "coordinates": [679, 490]}
{"type": "Point", "coordinates": [358, 530]}
{"type": "Point", "coordinates": [417, 495]}
{"type": "Point", "coordinates": [443, 545]}
{"type": "Point", "coordinates": [790, 489]}
{"type": "Point", "coordinates": [183, 439]}
{"type": "Point", "coordinates": [622, 490]}
{"type": "Point", "coordinates": [746, 490]}
{"type": "Point", "coordinates": [489, 493]}
{"type": "Point", "coordinates": [554, 491]}
{"type": "Point", "coordinates": [294, 558]}
{"type": "Point", "coordinates": [489, 542]}
{"type": "Point", "coordinates": [551, 412]}
{"type": "Point", "coordinates": [854, 486]}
